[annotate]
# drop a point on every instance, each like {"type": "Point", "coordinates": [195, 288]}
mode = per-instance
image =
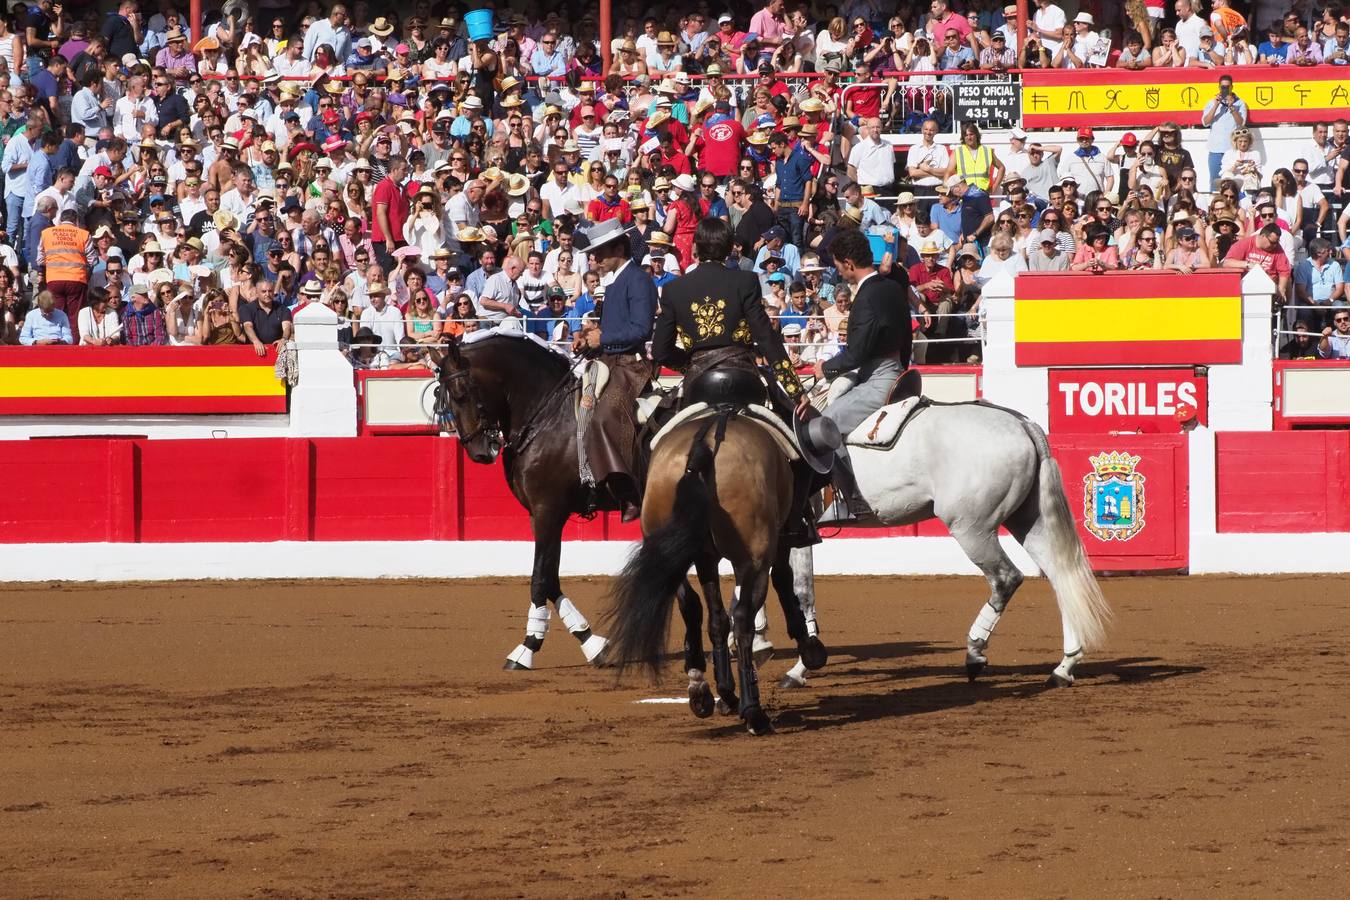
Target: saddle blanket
{"type": "Point", "coordinates": [760, 415]}
{"type": "Point", "coordinates": [880, 430]}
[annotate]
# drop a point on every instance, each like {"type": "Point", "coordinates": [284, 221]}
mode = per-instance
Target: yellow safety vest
{"type": "Point", "coordinates": [973, 167]}
{"type": "Point", "coordinates": [63, 251]}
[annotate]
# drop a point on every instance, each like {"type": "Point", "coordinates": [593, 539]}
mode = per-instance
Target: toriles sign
{"type": "Point", "coordinates": [1134, 401]}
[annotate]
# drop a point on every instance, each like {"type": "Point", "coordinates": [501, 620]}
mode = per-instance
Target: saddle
{"type": "Point", "coordinates": [904, 401]}
{"type": "Point", "coordinates": [757, 413]}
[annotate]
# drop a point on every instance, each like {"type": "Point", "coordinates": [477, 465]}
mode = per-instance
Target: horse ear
{"type": "Point", "coordinates": [437, 355]}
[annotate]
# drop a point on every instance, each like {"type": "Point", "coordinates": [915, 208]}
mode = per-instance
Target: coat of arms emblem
{"type": "Point", "coordinates": [1113, 497]}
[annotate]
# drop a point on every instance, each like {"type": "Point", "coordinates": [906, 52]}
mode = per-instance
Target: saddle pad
{"type": "Point", "coordinates": [881, 428]}
{"type": "Point", "coordinates": [760, 415]}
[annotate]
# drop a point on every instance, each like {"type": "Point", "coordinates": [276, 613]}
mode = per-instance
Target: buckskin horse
{"type": "Point", "coordinates": [718, 487]}
{"type": "Point", "coordinates": [512, 394]}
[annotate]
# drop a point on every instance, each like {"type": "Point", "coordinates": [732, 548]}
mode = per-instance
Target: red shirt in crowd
{"type": "Point", "coordinates": [866, 102]}
{"type": "Point", "coordinates": [1273, 262]}
{"type": "Point", "coordinates": [388, 193]}
{"type": "Point", "coordinates": [719, 147]}
{"type": "Point", "coordinates": [920, 274]}
{"type": "Point", "coordinates": [600, 209]}
{"type": "Point", "coordinates": [677, 160]}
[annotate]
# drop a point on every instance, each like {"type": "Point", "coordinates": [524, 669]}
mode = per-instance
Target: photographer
{"type": "Point", "coordinates": [1223, 115]}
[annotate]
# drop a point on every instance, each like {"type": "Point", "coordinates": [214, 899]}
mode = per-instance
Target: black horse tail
{"type": "Point", "coordinates": [645, 590]}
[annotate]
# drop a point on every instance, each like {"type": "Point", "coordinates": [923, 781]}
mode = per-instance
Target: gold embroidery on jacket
{"type": "Point", "coordinates": [709, 317]}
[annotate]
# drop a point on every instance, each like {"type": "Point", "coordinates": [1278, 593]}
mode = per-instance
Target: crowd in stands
{"type": "Point", "coordinates": [163, 187]}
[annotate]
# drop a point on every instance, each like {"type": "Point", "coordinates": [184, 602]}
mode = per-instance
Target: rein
{"type": "Point", "coordinates": [526, 432]}
{"type": "Point", "coordinates": [520, 435]}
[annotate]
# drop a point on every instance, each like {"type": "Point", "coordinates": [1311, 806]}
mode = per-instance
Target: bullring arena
{"type": "Point", "coordinates": [358, 739]}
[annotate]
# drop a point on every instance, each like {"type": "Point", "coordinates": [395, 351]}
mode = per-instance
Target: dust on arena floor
{"type": "Point", "coordinates": [360, 740]}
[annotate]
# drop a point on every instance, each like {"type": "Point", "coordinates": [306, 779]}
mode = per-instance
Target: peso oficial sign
{"type": "Point", "coordinates": [1124, 98]}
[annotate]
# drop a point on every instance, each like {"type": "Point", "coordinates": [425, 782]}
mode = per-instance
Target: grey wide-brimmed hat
{"type": "Point", "coordinates": [600, 234]}
{"type": "Point", "coordinates": [818, 438]}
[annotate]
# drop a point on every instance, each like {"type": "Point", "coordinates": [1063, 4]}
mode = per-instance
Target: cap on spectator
{"type": "Point", "coordinates": [196, 244]}
{"type": "Point", "coordinates": [775, 233]}
{"type": "Point", "coordinates": [1085, 132]}
{"type": "Point", "coordinates": [766, 68]}
{"type": "Point", "coordinates": [1047, 236]}
{"type": "Point", "coordinates": [792, 329]}
{"type": "Point", "coordinates": [1206, 32]}
{"type": "Point", "coordinates": [1068, 179]}
{"type": "Point", "coordinates": [142, 289]}
{"type": "Point", "coordinates": [1083, 18]}
{"type": "Point", "coordinates": [1010, 10]}
{"type": "Point", "coordinates": [724, 18]}
{"type": "Point", "coordinates": [156, 198]}
{"type": "Point", "coordinates": [292, 203]}
{"type": "Point", "coordinates": [1018, 133]}
{"type": "Point", "coordinates": [1128, 139]}
{"type": "Point", "coordinates": [1186, 234]}
{"type": "Point", "coordinates": [103, 170]}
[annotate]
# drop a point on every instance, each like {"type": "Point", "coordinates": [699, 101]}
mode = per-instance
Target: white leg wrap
{"type": "Point", "coordinates": [1065, 668]}
{"type": "Point", "coordinates": [572, 618]}
{"type": "Point", "coordinates": [797, 674]}
{"type": "Point", "coordinates": [537, 623]}
{"type": "Point", "coordinates": [1073, 645]}
{"type": "Point", "coordinates": [761, 621]}
{"type": "Point", "coordinates": [593, 647]}
{"type": "Point", "coordinates": [522, 656]}
{"type": "Point", "coordinates": [984, 626]}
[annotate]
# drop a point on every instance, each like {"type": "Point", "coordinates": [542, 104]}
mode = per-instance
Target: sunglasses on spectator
{"type": "Point", "coordinates": [1341, 319]}
{"type": "Point", "coordinates": [1300, 171]}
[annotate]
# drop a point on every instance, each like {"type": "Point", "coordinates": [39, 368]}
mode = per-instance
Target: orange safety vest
{"type": "Point", "coordinates": [63, 250]}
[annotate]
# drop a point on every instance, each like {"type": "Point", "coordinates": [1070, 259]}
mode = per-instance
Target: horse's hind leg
{"type": "Point", "coordinates": [695, 663]}
{"type": "Point", "coordinates": [754, 584]}
{"type": "Point", "coordinates": [813, 654]}
{"type": "Point", "coordinates": [719, 629]}
{"type": "Point", "coordinates": [982, 546]}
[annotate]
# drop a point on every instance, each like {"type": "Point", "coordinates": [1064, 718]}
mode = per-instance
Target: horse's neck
{"type": "Point", "coordinates": [528, 376]}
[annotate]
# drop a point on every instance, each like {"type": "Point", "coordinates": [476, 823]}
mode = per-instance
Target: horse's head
{"type": "Point", "coordinates": [459, 397]}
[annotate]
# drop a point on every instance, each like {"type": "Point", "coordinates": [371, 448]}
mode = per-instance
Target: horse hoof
{"type": "Point", "coordinates": [513, 666]}
{"type": "Point", "coordinates": [596, 651]}
{"type": "Point", "coordinates": [520, 658]}
{"type": "Point", "coordinates": [762, 654]}
{"type": "Point", "coordinates": [725, 708]}
{"type": "Point", "coordinates": [813, 653]}
{"type": "Point", "coordinates": [973, 670]}
{"type": "Point", "coordinates": [757, 722]}
{"type": "Point", "coordinates": [1058, 680]}
{"type": "Point", "coordinates": [701, 700]}
{"type": "Point", "coordinates": [791, 683]}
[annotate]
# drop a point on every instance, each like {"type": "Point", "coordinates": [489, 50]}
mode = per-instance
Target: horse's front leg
{"type": "Point", "coordinates": [794, 583]}
{"type": "Point", "coordinates": [753, 579]}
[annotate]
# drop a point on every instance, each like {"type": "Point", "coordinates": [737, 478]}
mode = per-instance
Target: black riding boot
{"type": "Point", "coordinates": [849, 506]}
{"type": "Point", "coordinates": [800, 529]}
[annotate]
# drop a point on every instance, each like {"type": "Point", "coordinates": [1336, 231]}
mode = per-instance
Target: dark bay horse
{"type": "Point", "coordinates": [513, 395]}
{"type": "Point", "coordinates": [717, 488]}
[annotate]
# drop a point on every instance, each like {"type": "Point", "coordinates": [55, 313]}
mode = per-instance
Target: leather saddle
{"type": "Point", "coordinates": [730, 387]}
{"type": "Point", "coordinates": [909, 384]}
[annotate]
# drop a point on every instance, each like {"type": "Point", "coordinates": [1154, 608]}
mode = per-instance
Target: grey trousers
{"type": "Point", "coordinates": [872, 383]}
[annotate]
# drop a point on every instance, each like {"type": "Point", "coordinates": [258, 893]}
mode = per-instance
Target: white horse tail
{"type": "Point", "coordinates": [1081, 602]}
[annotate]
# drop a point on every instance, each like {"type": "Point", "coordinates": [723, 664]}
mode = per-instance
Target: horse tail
{"type": "Point", "coordinates": [645, 590]}
{"type": "Point", "coordinates": [1081, 602]}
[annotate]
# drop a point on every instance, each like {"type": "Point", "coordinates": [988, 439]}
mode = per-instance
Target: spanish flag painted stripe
{"type": "Point", "coordinates": [140, 381]}
{"type": "Point", "coordinates": [1129, 353]}
{"type": "Point", "coordinates": [106, 406]}
{"type": "Point", "coordinates": [1088, 320]}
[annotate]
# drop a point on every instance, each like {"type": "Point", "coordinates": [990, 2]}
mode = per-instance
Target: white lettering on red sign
{"type": "Point", "coordinates": [1131, 398]}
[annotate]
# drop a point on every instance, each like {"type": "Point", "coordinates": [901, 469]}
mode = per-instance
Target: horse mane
{"type": "Point", "coordinates": [532, 345]}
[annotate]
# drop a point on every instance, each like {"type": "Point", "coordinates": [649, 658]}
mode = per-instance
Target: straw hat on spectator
{"type": "Point", "coordinates": [790, 122]}
{"type": "Point", "coordinates": [758, 138]}
{"type": "Point", "coordinates": [702, 106]}
{"type": "Point", "coordinates": [507, 83]}
{"type": "Point", "coordinates": [1180, 216]}
{"type": "Point", "coordinates": [312, 288]}
{"type": "Point", "coordinates": [810, 129]}
{"type": "Point", "coordinates": [853, 214]}
{"type": "Point", "coordinates": [661, 184]}
{"type": "Point", "coordinates": [638, 203]}
{"type": "Point", "coordinates": [361, 165]}
{"type": "Point", "coordinates": [659, 239]}
{"type": "Point", "coordinates": [473, 101]}
{"type": "Point", "coordinates": [224, 220]}
{"type": "Point", "coordinates": [570, 146]}
{"type": "Point", "coordinates": [517, 185]}
{"type": "Point", "coordinates": [511, 102]}
{"type": "Point", "coordinates": [713, 71]}
{"type": "Point", "coordinates": [381, 27]}
{"type": "Point", "coordinates": [660, 117]}
{"type": "Point", "coordinates": [968, 250]}
{"type": "Point", "coordinates": [469, 234]}
{"type": "Point", "coordinates": [668, 86]}
{"type": "Point", "coordinates": [376, 288]}
{"type": "Point", "coordinates": [665, 39]}
{"type": "Point", "coordinates": [628, 46]}
{"type": "Point", "coordinates": [929, 248]}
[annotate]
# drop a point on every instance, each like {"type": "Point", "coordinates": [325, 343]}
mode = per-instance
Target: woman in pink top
{"type": "Point", "coordinates": [1096, 254]}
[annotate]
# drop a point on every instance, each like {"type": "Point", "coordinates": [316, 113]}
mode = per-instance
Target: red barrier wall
{"type": "Point", "coordinates": [1270, 482]}
{"type": "Point", "coordinates": [416, 488]}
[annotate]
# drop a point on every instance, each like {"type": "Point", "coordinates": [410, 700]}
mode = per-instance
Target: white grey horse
{"type": "Point", "coordinates": [977, 467]}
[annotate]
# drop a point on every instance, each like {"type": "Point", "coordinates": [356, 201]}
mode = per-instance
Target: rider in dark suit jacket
{"type": "Point", "coordinates": [714, 317]}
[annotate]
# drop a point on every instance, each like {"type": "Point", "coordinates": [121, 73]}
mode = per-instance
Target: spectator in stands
{"type": "Point", "coordinates": [1302, 344]}
{"type": "Point", "coordinates": [927, 161]}
{"type": "Point", "coordinates": [871, 162]}
{"type": "Point", "coordinates": [1335, 342]}
{"type": "Point", "coordinates": [1318, 281]}
{"type": "Point", "coordinates": [1224, 114]}
{"type": "Point", "coordinates": [45, 324]}
{"type": "Point", "coordinates": [974, 162]}
{"type": "Point", "coordinates": [1189, 254]}
{"type": "Point", "coordinates": [1096, 255]}
{"type": "Point", "coordinates": [1243, 162]}
{"type": "Point", "coordinates": [1046, 255]}
{"type": "Point", "coordinates": [1134, 55]}
{"type": "Point", "coordinates": [1042, 169]}
{"type": "Point", "coordinates": [1304, 51]}
{"type": "Point", "coordinates": [143, 322]}
{"type": "Point", "coordinates": [265, 321]}
{"type": "Point", "coordinates": [1262, 250]}
{"type": "Point", "coordinates": [1048, 24]}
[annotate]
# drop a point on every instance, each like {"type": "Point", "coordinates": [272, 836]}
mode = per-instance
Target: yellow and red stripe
{"type": "Point", "coordinates": [139, 380]}
{"type": "Point", "coordinates": [1128, 319]}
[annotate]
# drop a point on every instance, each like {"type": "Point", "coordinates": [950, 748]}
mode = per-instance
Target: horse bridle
{"type": "Point", "coordinates": [444, 415]}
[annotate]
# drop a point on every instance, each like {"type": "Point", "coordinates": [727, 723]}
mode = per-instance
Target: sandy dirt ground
{"type": "Point", "coordinates": [278, 740]}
